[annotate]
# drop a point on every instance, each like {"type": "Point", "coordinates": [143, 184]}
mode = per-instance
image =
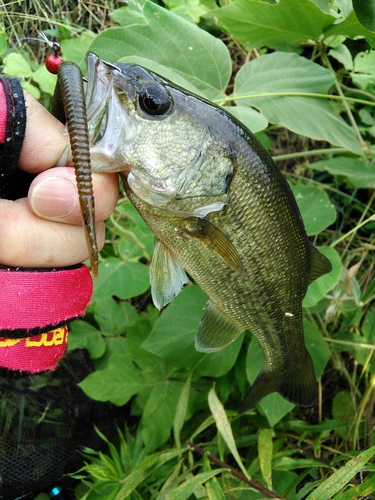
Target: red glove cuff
{"type": "Point", "coordinates": [34, 304]}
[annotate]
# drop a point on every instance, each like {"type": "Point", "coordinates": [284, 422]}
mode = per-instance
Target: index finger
{"type": "Point", "coordinates": [45, 138]}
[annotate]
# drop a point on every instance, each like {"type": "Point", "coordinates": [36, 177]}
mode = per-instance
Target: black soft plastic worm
{"type": "Point", "coordinates": [69, 107]}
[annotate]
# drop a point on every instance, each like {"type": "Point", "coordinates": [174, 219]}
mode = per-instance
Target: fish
{"type": "Point", "coordinates": [221, 211]}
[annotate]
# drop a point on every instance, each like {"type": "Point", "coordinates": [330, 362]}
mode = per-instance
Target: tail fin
{"type": "Point", "coordinates": [297, 385]}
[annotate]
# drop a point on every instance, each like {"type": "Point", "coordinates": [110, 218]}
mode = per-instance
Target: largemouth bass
{"type": "Point", "coordinates": [220, 210]}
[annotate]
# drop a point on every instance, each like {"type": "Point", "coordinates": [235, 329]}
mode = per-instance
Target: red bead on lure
{"type": "Point", "coordinates": [53, 61]}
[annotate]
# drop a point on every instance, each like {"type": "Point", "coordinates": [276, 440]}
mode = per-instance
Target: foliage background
{"type": "Point", "coordinates": [301, 75]}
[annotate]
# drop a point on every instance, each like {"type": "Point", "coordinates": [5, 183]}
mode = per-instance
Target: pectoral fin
{"type": "Point", "coordinates": [167, 277]}
{"type": "Point", "coordinates": [215, 239]}
{"type": "Point", "coordinates": [215, 330]}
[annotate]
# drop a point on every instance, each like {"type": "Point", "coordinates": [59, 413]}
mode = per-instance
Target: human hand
{"type": "Point", "coordinates": [45, 229]}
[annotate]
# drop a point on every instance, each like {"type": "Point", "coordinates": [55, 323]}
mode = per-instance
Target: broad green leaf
{"type": "Point", "coordinates": [359, 173]}
{"type": "Point", "coordinates": [262, 82]}
{"type": "Point", "coordinates": [342, 476]}
{"type": "Point", "coordinates": [154, 33]}
{"type": "Point", "coordinates": [218, 363]}
{"type": "Point", "coordinates": [316, 208]}
{"type": "Point", "coordinates": [365, 12]}
{"type": "Point", "coordinates": [172, 336]}
{"type": "Point", "coordinates": [45, 80]}
{"type": "Point", "coordinates": [117, 383]}
{"type": "Point", "coordinates": [192, 10]}
{"type": "Point", "coordinates": [165, 72]}
{"type": "Point", "coordinates": [223, 426]}
{"type": "Point", "coordinates": [317, 347]}
{"type": "Point", "coordinates": [343, 55]}
{"type": "Point", "coordinates": [251, 118]}
{"type": "Point", "coordinates": [34, 91]}
{"type": "Point", "coordinates": [174, 333]}
{"type": "Point", "coordinates": [351, 28]}
{"type": "Point", "coordinates": [75, 49]}
{"type": "Point", "coordinates": [159, 412]}
{"type": "Point", "coordinates": [265, 452]}
{"type": "Point", "coordinates": [121, 279]}
{"type": "Point", "coordinates": [343, 411]}
{"type": "Point", "coordinates": [257, 23]}
{"type": "Point", "coordinates": [82, 335]}
{"type": "Point", "coordinates": [318, 288]}
{"type": "Point", "coordinates": [113, 317]}
{"type": "Point", "coordinates": [363, 73]}
{"type": "Point", "coordinates": [17, 66]}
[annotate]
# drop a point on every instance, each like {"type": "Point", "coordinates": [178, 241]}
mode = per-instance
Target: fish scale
{"type": "Point", "coordinates": [225, 215]}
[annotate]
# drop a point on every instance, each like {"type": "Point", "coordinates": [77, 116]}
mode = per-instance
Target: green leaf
{"type": "Point", "coordinates": [174, 333]}
{"type": "Point", "coordinates": [116, 383]}
{"type": "Point", "coordinates": [342, 477]}
{"type": "Point", "coordinates": [148, 465]}
{"type": "Point", "coordinates": [317, 347]}
{"type": "Point", "coordinates": [159, 413]}
{"type": "Point", "coordinates": [351, 28]}
{"type": "Point", "coordinates": [359, 173]}
{"type": "Point", "coordinates": [45, 80]}
{"type": "Point", "coordinates": [121, 279]}
{"type": "Point", "coordinates": [289, 22]}
{"type": "Point", "coordinates": [251, 118]}
{"type": "Point", "coordinates": [364, 69]}
{"type": "Point", "coordinates": [157, 34]}
{"type": "Point", "coordinates": [363, 490]}
{"type": "Point", "coordinates": [82, 335]}
{"type": "Point", "coordinates": [223, 426]}
{"type": "Point", "coordinates": [175, 329]}
{"type": "Point", "coordinates": [284, 73]}
{"type": "Point", "coordinates": [113, 317]}
{"type": "Point", "coordinates": [318, 288]}
{"type": "Point", "coordinates": [343, 55]}
{"type": "Point", "coordinates": [316, 208]}
{"type": "Point", "coordinates": [265, 452]}
{"type": "Point", "coordinates": [186, 489]}
{"type": "Point", "coordinates": [365, 11]}
{"type": "Point", "coordinates": [17, 66]}
{"type": "Point", "coordinates": [181, 411]}
{"type": "Point", "coordinates": [343, 411]}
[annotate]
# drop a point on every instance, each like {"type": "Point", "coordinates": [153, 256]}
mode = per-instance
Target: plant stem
{"type": "Point", "coordinates": [313, 152]}
{"type": "Point", "coordinates": [294, 94]}
{"type": "Point", "coordinates": [268, 493]}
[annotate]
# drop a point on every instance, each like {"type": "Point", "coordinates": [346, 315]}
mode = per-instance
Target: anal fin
{"type": "Point", "coordinates": [167, 277]}
{"type": "Point", "coordinates": [215, 330]}
{"type": "Point", "coordinates": [319, 265]}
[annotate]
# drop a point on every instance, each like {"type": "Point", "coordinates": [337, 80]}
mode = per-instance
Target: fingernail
{"type": "Point", "coordinates": [54, 197]}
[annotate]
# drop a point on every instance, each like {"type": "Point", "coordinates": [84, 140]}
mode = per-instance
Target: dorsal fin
{"type": "Point", "coordinates": [319, 265]}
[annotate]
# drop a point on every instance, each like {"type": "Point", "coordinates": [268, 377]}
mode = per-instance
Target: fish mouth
{"type": "Point", "coordinates": [107, 119]}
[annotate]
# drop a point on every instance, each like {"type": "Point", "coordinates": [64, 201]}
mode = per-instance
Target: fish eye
{"type": "Point", "coordinates": [154, 100]}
